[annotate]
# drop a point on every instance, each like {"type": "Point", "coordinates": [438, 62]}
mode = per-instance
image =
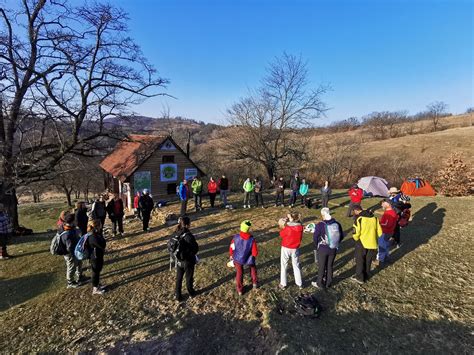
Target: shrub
{"type": "Point", "coordinates": [456, 178]}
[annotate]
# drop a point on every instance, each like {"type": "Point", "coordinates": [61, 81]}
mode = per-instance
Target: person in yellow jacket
{"type": "Point", "coordinates": [366, 231]}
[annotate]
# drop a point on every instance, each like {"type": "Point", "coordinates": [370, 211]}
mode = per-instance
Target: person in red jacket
{"type": "Point", "coordinates": [136, 205]}
{"type": "Point", "coordinates": [243, 251]}
{"type": "Point", "coordinates": [356, 194]}
{"type": "Point", "coordinates": [388, 222]}
{"type": "Point", "coordinates": [212, 190]}
{"type": "Point", "coordinates": [291, 236]}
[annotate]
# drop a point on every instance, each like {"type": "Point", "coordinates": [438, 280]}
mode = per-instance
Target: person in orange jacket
{"type": "Point", "coordinates": [291, 236]}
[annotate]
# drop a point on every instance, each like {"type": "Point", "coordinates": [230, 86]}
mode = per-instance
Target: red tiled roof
{"type": "Point", "coordinates": [127, 156]}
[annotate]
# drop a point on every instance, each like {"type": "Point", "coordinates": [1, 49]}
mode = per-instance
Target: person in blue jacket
{"type": "Point", "coordinates": [304, 187]}
{"type": "Point", "coordinates": [183, 193]}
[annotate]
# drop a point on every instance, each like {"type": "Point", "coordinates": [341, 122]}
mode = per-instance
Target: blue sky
{"type": "Point", "coordinates": [375, 54]}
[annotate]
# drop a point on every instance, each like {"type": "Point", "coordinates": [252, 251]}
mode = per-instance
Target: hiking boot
{"type": "Point", "coordinates": [4, 257]}
{"type": "Point", "coordinates": [360, 282]}
{"type": "Point", "coordinates": [97, 291]}
{"type": "Point", "coordinates": [73, 284]}
{"type": "Point", "coordinates": [239, 293]}
{"type": "Point", "coordinates": [255, 286]}
{"type": "Point", "coordinates": [300, 287]}
{"type": "Point", "coordinates": [281, 287]}
{"type": "Point", "coordinates": [82, 280]}
{"type": "Point", "coordinates": [315, 284]}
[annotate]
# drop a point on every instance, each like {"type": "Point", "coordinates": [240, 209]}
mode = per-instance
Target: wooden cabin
{"type": "Point", "coordinates": [150, 162]}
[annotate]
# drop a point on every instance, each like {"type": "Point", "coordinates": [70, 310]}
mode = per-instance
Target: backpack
{"type": "Point", "coordinates": [82, 251]}
{"type": "Point", "coordinates": [57, 247]}
{"type": "Point", "coordinates": [176, 247]}
{"type": "Point", "coordinates": [404, 218]}
{"type": "Point", "coordinates": [333, 235]}
{"type": "Point", "coordinates": [307, 306]}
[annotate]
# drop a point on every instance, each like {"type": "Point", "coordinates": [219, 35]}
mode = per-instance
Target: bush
{"type": "Point", "coordinates": [456, 178]}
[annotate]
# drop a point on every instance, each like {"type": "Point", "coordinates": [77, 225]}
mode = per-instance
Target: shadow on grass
{"type": "Point", "coordinates": [22, 289]}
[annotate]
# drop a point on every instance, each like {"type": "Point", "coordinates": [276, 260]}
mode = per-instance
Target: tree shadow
{"type": "Point", "coordinates": [22, 289]}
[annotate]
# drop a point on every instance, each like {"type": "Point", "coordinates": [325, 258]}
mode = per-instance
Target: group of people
{"type": "Point", "coordinates": [252, 190]}
{"type": "Point", "coordinates": [372, 236]}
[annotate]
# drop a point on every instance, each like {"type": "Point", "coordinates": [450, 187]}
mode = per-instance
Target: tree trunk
{"type": "Point", "coordinates": [68, 196]}
{"type": "Point", "coordinates": [9, 200]}
{"type": "Point", "coordinates": [188, 144]}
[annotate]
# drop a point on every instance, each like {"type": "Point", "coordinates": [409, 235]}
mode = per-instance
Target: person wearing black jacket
{"type": "Point", "coordinates": [115, 210]}
{"type": "Point", "coordinates": [186, 259]}
{"type": "Point", "coordinates": [146, 205]}
{"type": "Point", "coordinates": [96, 243]}
{"type": "Point", "coordinates": [81, 217]}
{"type": "Point", "coordinates": [280, 192]}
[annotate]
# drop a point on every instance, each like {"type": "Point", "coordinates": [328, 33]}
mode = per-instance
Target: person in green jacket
{"type": "Point", "coordinates": [248, 189]}
{"type": "Point", "coordinates": [196, 188]}
{"type": "Point", "coordinates": [304, 187]}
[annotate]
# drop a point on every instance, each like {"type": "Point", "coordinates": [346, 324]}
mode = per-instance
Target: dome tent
{"type": "Point", "coordinates": [417, 187]}
{"type": "Point", "coordinates": [374, 185]}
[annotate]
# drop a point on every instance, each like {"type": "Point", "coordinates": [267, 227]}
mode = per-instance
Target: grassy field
{"type": "Point", "coordinates": [421, 303]}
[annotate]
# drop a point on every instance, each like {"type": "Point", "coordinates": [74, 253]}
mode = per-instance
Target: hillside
{"type": "Point", "coordinates": [420, 303]}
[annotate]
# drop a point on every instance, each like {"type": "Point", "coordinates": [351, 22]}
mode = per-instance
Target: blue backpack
{"type": "Point", "coordinates": [81, 251]}
{"type": "Point", "coordinates": [333, 235]}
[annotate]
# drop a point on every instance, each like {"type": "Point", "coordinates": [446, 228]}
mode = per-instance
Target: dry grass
{"type": "Point", "coordinates": [422, 302]}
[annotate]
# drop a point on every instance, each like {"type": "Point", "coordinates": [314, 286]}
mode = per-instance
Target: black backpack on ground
{"type": "Point", "coordinates": [307, 306]}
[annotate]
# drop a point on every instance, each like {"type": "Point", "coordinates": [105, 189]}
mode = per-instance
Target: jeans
{"type": "Point", "coordinates": [73, 268]}
{"type": "Point", "coordinates": [247, 198]}
{"type": "Point", "coordinates": [3, 243]}
{"type": "Point", "coordinates": [384, 247]}
{"type": "Point", "coordinates": [286, 254]}
{"type": "Point", "coordinates": [239, 276]}
{"type": "Point", "coordinates": [96, 268]}
{"type": "Point", "coordinates": [396, 234]}
{"type": "Point", "coordinates": [117, 221]}
{"type": "Point", "coordinates": [326, 257]}
{"type": "Point", "coordinates": [363, 259]}
{"type": "Point", "coordinates": [184, 207]}
{"type": "Point", "coordinates": [280, 198]}
{"type": "Point", "coordinates": [258, 198]}
{"type": "Point", "coordinates": [224, 194]}
{"type": "Point", "coordinates": [324, 200]}
{"type": "Point", "coordinates": [294, 196]}
{"type": "Point", "coordinates": [197, 201]}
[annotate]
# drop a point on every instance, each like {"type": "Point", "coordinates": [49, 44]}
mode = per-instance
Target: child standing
{"type": "Point", "coordinates": [243, 251]}
{"type": "Point", "coordinates": [97, 245]}
{"type": "Point", "coordinates": [291, 236]}
{"type": "Point", "coordinates": [388, 222]}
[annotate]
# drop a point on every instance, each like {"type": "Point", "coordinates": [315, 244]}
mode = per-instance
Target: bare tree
{"type": "Point", "coordinates": [436, 110]}
{"type": "Point", "coordinates": [265, 121]}
{"type": "Point", "coordinates": [65, 72]}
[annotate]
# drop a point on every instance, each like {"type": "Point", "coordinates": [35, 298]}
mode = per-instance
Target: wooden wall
{"type": "Point", "coordinates": [152, 164]}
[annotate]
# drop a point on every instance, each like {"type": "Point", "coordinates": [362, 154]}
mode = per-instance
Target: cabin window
{"type": "Point", "coordinates": [168, 158]}
{"type": "Point", "coordinates": [171, 189]}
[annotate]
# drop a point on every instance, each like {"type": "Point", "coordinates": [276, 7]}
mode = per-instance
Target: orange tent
{"type": "Point", "coordinates": [417, 187]}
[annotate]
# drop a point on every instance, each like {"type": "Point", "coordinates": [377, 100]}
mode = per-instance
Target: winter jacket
{"type": "Point", "coordinates": [356, 195]}
{"type": "Point", "coordinates": [189, 249]}
{"type": "Point", "coordinates": [5, 223]}
{"type": "Point", "coordinates": [258, 186]}
{"type": "Point", "coordinates": [248, 186]}
{"type": "Point", "coordinates": [70, 239]}
{"type": "Point", "coordinates": [98, 210]}
{"type": "Point", "coordinates": [196, 186]}
{"type": "Point", "coordinates": [97, 244]}
{"type": "Point", "coordinates": [236, 249]}
{"type": "Point", "coordinates": [295, 184]}
{"type": "Point", "coordinates": [319, 234]}
{"type": "Point", "coordinates": [146, 203]}
{"type": "Point", "coordinates": [81, 219]}
{"type": "Point", "coordinates": [367, 229]}
{"type": "Point", "coordinates": [223, 184]}
{"type": "Point", "coordinates": [113, 211]}
{"type": "Point", "coordinates": [212, 187]}
{"type": "Point", "coordinates": [388, 222]}
{"type": "Point", "coordinates": [291, 235]}
{"type": "Point", "coordinates": [326, 191]}
{"type": "Point", "coordinates": [183, 192]}
{"type": "Point", "coordinates": [304, 189]}
{"type": "Point", "coordinates": [280, 186]}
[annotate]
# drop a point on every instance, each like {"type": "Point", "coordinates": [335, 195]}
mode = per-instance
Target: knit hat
{"type": "Point", "coordinates": [145, 191]}
{"type": "Point", "coordinates": [326, 214]}
{"type": "Point", "coordinates": [245, 226]}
